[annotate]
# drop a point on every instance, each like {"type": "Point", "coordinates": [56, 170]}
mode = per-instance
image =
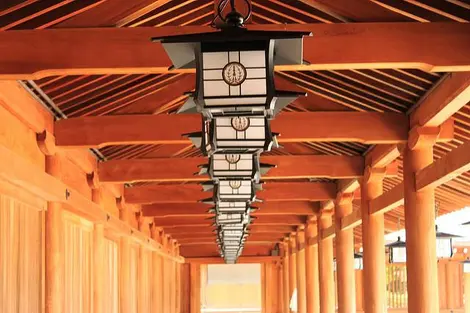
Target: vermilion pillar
{"type": "Point", "coordinates": [54, 266]}
{"type": "Point", "coordinates": [311, 268]}
{"type": "Point", "coordinates": [373, 243]}
{"type": "Point", "coordinates": [325, 257]}
{"type": "Point", "coordinates": [345, 257]}
{"type": "Point", "coordinates": [292, 265]}
{"type": "Point", "coordinates": [421, 260]}
{"type": "Point", "coordinates": [301, 276]}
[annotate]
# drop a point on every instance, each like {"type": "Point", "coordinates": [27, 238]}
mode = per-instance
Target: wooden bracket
{"type": "Point", "coordinates": [372, 174]}
{"type": "Point", "coordinates": [93, 180]}
{"type": "Point", "coordinates": [421, 137]}
{"type": "Point", "coordinates": [46, 143]}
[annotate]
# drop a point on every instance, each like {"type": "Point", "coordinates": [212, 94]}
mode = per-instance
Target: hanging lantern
{"type": "Point", "coordinates": [235, 68]}
{"type": "Point", "coordinates": [444, 247]}
{"type": "Point", "coordinates": [466, 266]}
{"type": "Point", "coordinates": [397, 251]}
{"type": "Point", "coordinates": [231, 218]}
{"type": "Point", "coordinates": [358, 261]}
{"type": "Point", "coordinates": [236, 166]}
{"type": "Point", "coordinates": [242, 134]}
{"type": "Point", "coordinates": [231, 207]}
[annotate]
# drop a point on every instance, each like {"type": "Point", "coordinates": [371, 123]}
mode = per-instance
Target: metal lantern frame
{"type": "Point", "coordinates": [444, 244]}
{"type": "Point", "coordinates": [231, 218]}
{"type": "Point", "coordinates": [229, 46]}
{"type": "Point", "coordinates": [358, 261]}
{"type": "Point", "coordinates": [397, 251]}
{"type": "Point", "coordinates": [235, 190]}
{"type": "Point", "coordinates": [213, 142]}
{"type": "Point", "coordinates": [233, 166]}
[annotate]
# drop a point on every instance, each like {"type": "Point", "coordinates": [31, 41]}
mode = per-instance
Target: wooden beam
{"type": "Point", "coordinates": [240, 260]}
{"type": "Point", "coordinates": [183, 169]}
{"type": "Point", "coordinates": [271, 220]}
{"type": "Point", "coordinates": [190, 193]}
{"type": "Point", "coordinates": [452, 93]}
{"type": "Point", "coordinates": [201, 209]}
{"type": "Point", "coordinates": [445, 169]}
{"type": "Point", "coordinates": [443, 47]}
{"type": "Point", "coordinates": [382, 155]}
{"type": "Point", "coordinates": [99, 131]}
{"type": "Point", "coordinates": [328, 232]}
{"type": "Point", "coordinates": [388, 200]}
{"type": "Point", "coordinates": [352, 220]}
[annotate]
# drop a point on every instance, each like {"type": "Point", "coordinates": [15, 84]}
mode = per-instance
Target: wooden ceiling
{"type": "Point", "coordinates": [367, 90]}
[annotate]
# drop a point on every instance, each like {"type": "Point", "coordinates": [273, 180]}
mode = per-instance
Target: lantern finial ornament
{"type": "Point", "coordinates": [233, 18]}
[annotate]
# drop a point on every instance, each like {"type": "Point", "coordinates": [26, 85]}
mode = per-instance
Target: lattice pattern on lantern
{"type": "Point", "coordinates": [234, 80]}
{"type": "Point", "coordinates": [239, 134]}
{"type": "Point", "coordinates": [231, 218]}
{"type": "Point", "coordinates": [234, 165]}
{"type": "Point", "coordinates": [235, 190]}
{"type": "Point", "coordinates": [231, 207]}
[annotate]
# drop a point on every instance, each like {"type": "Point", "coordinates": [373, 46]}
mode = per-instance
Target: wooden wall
{"type": "Point", "coordinates": [67, 242]}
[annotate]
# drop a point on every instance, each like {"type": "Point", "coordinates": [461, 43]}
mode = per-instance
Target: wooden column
{"type": "Point", "coordinates": [98, 259]}
{"type": "Point", "coordinates": [373, 243]}
{"type": "Point", "coordinates": [301, 276]}
{"type": "Point", "coordinates": [345, 257]}
{"type": "Point", "coordinates": [54, 267]}
{"type": "Point", "coordinates": [421, 260]}
{"type": "Point", "coordinates": [466, 290]}
{"type": "Point", "coordinates": [292, 266]}
{"type": "Point", "coordinates": [285, 276]}
{"type": "Point", "coordinates": [325, 258]}
{"type": "Point", "coordinates": [311, 267]}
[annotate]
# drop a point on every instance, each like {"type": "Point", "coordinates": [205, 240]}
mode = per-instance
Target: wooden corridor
{"type": "Point", "coordinates": [100, 205]}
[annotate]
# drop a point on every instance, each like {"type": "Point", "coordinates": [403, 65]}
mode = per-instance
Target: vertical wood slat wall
{"type": "Point", "coordinates": [21, 257]}
{"type": "Point", "coordinates": [22, 273]}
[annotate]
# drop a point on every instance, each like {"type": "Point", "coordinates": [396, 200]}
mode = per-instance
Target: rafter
{"type": "Point", "coordinates": [94, 132]}
{"type": "Point", "coordinates": [183, 169]}
{"type": "Point", "coordinates": [190, 193]}
{"type": "Point", "coordinates": [442, 47]}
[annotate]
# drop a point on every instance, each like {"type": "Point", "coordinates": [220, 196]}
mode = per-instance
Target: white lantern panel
{"type": "Point", "coordinates": [466, 267]}
{"type": "Point", "coordinates": [214, 88]}
{"type": "Point", "coordinates": [444, 247]}
{"type": "Point", "coordinates": [234, 56]}
{"type": "Point", "coordinates": [236, 101]}
{"type": "Point", "coordinates": [255, 73]}
{"type": "Point", "coordinates": [253, 58]}
{"type": "Point", "coordinates": [234, 90]}
{"type": "Point", "coordinates": [212, 74]}
{"type": "Point", "coordinates": [253, 87]}
{"type": "Point", "coordinates": [214, 60]}
{"type": "Point", "coordinates": [399, 255]}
